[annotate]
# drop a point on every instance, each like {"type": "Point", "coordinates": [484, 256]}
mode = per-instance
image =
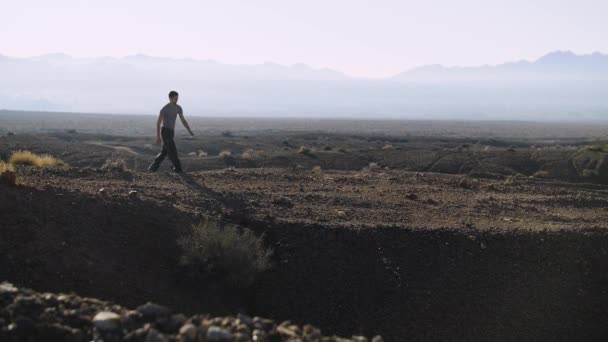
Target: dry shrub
{"type": "Point", "coordinates": [248, 154]}
{"type": "Point", "coordinates": [225, 153]}
{"type": "Point", "coordinates": [7, 173]}
{"type": "Point", "coordinates": [305, 151]}
{"type": "Point", "coordinates": [317, 169]}
{"type": "Point", "coordinates": [388, 147]}
{"type": "Point", "coordinates": [22, 157]}
{"type": "Point", "coordinates": [115, 165]}
{"type": "Point", "coordinates": [232, 253]}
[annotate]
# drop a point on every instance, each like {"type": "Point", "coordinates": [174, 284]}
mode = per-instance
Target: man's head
{"type": "Point", "coordinates": [173, 96]}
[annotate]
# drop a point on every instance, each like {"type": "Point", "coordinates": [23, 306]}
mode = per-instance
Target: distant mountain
{"type": "Point", "coordinates": [555, 66]}
{"type": "Point", "coordinates": [64, 67]}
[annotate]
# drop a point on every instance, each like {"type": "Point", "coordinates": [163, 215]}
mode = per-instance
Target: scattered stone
{"type": "Point", "coordinates": [155, 336]}
{"type": "Point", "coordinates": [377, 338]}
{"type": "Point", "coordinates": [102, 191]}
{"type": "Point", "coordinates": [283, 202]}
{"type": "Point", "coordinates": [464, 183]}
{"type": "Point", "coordinates": [32, 316]}
{"type": "Point", "coordinates": [356, 338]}
{"type": "Point", "coordinates": [188, 333]}
{"type": "Point", "coordinates": [245, 319]}
{"type": "Point", "coordinates": [153, 310]}
{"type": "Point", "coordinates": [217, 334]}
{"type": "Point", "coordinates": [106, 321]}
{"type": "Point", "coordinates": [341, 214]}
{"type": "Point", "coordinates": [132, 194]}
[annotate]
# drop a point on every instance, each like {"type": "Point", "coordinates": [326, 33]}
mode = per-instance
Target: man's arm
{"type": "Point", "coordinates": [181, 117]}
{"type": "Point", "coordinates": [158, 122]}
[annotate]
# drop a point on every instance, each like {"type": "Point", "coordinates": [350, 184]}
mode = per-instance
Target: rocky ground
{"type": "Point", "coordinates": [430, 238]}
{"type": "Point", "coordinates": [27, 315]}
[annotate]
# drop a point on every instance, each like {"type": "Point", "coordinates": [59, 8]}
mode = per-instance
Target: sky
{"type": "Point", "coordinates": [368, 39]}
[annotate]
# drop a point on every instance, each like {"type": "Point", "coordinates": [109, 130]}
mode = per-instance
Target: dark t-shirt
{"type": "Point", "coordinates": [169, 114]}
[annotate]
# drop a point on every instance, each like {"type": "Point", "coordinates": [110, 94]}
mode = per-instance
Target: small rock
{"type": "Point", "coordinates": [245, 319]}
{"type": "Point", "coordinates": [358, 338]}
{"type": "Point", "coordinates": [153, 310]}
{"type": "Point", "coordinates": [377, 338]}
{"type": "Point", "coordinates": [259, 335]}
{"type": "Point", "coordinates": [283, 202]}
{"type": "Point", "coordinates": [341, 214]}
{"type": "Point", "coordinates": [106, 321]}
{"type": "Point", "coordinates": [188, 333]}
{"type": "Point", "coordinates": [102, 191]}
{"type": "Point", "coordinates": [155, 336]}
{"type": "Point", "coordinates": [412, 196]}
{"type": "Point", "coordinates": [217, 334]}
{"type": "Point", "coordinates": [464, 183]}
{"type": "Point", "coordinates": [132, 194]}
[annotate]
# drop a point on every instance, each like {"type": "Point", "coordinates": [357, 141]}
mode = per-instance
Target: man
{"type": "Point", "coordinates": [167, 117]}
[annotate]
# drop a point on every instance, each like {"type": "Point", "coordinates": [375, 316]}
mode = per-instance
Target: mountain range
{"type": "Point", "coordinates": [554, 66]}
{"type": "Point", "coordinates": [558, 85]}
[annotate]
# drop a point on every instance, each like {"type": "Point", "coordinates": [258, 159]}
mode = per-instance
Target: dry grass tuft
{"type": "Point", "coordinates": [388, 147]}
{"type": "Point", "coordinates": [22, 157]}
{"type": "Point", "coordinates": [317, 169]}
{"type": "Point", "coordinates": [227, 251]}
{"type": "Point", "coordinates": [249, 153]}
{"type": "Point", "coordinates": [225, 153]}
{"type": "Point", "coordinates": [7, 173]}
{"type": "Point", "coordinates": [115, 165]}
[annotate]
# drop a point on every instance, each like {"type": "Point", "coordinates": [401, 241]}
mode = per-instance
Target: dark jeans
{"type": "Point", "coordinates": [169, 149]}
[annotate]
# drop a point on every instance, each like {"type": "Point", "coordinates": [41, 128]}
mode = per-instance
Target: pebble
{"type": "Point", "coordinates": [155, 336]}
{"type": "Point", "coordinates": [188, 332]}
{"type": "Point", "coordinates": [132, 193]}
{"type": "Point", "coordinates": [153, 310]}
{"type": "Point", "coordinates": [106, 320]}
{"type": "Point", "coordinates": [217, 334]}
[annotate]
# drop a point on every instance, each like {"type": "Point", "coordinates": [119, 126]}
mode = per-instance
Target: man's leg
{"type": "Point", "coordinates": [159, 159]}
{"type": "Point", "coordinates": [163, 152]}
{"type": "Point", "coordinates": [173, 157]}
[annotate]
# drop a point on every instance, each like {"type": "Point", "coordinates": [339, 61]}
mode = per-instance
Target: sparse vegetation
{"type": "Point", "coordinates": [317, 169]}
{"type": "Point", "coordinates": [115, 165]}
{"type": "Point", "coordinates": [388, 147]}
{"type": "Point", "coordinates": [305, 151]}
{"type": "Point", "coordinates": [225, 153]}
{"type": "Point", "coordinates": [232, 253]}
{"type": "Point", "coordinates": [248, 154]}
{"type": "Point", "coordinates": [22, 157]}
{"type": "Point", "coordinates": [7, 173]}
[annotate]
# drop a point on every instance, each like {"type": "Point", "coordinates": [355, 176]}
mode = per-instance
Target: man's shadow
{"type": "Point", "coordinates": [231, 201]}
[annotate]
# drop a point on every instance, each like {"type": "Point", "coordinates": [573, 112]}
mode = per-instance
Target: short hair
{"type": "Point", "coordinates": [173, 93]}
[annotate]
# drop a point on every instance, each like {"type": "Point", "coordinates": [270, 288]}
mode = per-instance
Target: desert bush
{"type": "Point", "coordinates": [115, 165]}
{"type": "Point", "coordinates": [317, 169]}
{"type": "Point", "coordinates": [305, 151]}
{"type": "Point", "coordinates": [248, 154]}
{"type": "Point", "coordinates": [232, 253]}
{"type": "Point", "coordinates": [225, 153]}
{"type": "Point", "coordinates": [22, 157]}
{"type": "Point", "coordinates": [388, 147]}
{"type": "Point", "coordinates": [7, 173]}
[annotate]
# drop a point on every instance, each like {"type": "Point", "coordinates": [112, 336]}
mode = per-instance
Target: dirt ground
{"type": "Point", "coordinates": [444, 238]}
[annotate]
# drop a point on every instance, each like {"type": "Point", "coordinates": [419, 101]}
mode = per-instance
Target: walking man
{"type": "Point", "coordinates": [167, 117]}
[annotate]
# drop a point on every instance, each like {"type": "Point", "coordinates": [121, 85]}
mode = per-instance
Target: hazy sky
{"type": "Point", "coordinates": [361, 38]}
